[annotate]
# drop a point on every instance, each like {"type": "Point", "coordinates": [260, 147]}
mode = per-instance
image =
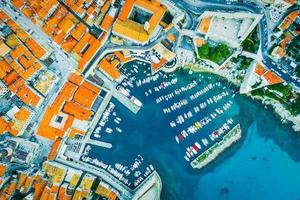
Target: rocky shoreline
{"type": "Point", "coordinates": [279, 109]}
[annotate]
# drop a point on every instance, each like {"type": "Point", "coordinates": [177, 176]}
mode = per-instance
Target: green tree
{"type": "Point", "coordinates": [224, 50]}
{"type": "Point", "coordinates": [298, 71]}
{"type": "Point", "coordinates": [203, 51]}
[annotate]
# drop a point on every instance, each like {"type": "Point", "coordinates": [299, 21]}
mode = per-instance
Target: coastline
{"type": "Point", "coordinates": [278, 108]}
{"type": "Point", "coordinates": [213, 152]}
{"type": "Point", "coordinates": [198, 68]}
{"type": "Point", "coordinates": [283, 113]}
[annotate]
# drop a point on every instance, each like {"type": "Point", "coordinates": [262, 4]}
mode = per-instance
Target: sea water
{"type": "Point", "coordinates": [264, 164]}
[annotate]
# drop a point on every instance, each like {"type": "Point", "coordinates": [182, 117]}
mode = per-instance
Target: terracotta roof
{"type": "Point", "coordinates": [157, 66]}
{"type": "Point", "coordinates": [107, 22]}
{"type": "Point", "coordinates": [76, 79]}
{"type": "Point", "coordinates": [85, 96]}
{"type": "Point", "coordinates": [2, 169]}
{"type": "Point", "coordinates": [259, 69]}
{"type": "Point", "coordinates": [3, 15]}
{"type": "Point", "coordinates": [134, 30]}
{"type": "Point", "coordinates": [54, 149]}
{"type": "Point", "coordinates": [79, 31]}
{"type": "Point", "coordinates": [171, 37]}
{"type": "Point", "coordinates": [77, 110]}
{"type": "Point", "coordinates": [4, 69]}
{"type": "Point", "coordinates": [200, 42]}
{"type": "Point", "coordinates": [279, 51]}
{"type": "Point", "coordinates": [272, 78]}
{"type": "Point", "coordinates": [109, 69]}
{"type": "Point", "coordinates": [35, 48]}
{"type": "Point", "coordinates": [204, 25]}
{"type": "Point", "coordinates": [285, 24]}
{"type": "Point", "coordinates": [69, 44]}
{"type": "Point", "coordinates": [131, 29]}
{"type": "Point", "coordinates": [292, 16]}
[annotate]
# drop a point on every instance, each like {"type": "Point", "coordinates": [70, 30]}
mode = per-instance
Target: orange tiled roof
{"type": "Point", "coordinates": [67, 23]}
{"type": "Point", "coordinates": [111, 71]}
{"type": "Point", "coordinates": [74, 100]}
{"type": "Point", "coordinates": [91, 87]}
{"type": "Point", "coordinates": [157, 66]}
{"type": "Point", "coordinates": [38, 189]}
{"type": "Point", "coordinates": [105, 7]}
{"type": "Point", "coordinates": [22, 179]}
{"type": "Point", "coordinates": [3, 128]}
{"type": "Point", "coordinates": [18, 3]}
{"type": "Point", "coordinates": [82, 43]}
{"type": "Point", "coordinates": [127, 7]}
{"type": "Point", "coordinates": [54, 149]}
{"type": "Point", "coordinates": [27, 183]}
{"type": "Point", "coordinates": [18, 86]}
{"type": "Point", "coordinates": [21, 116]}
{"type": "Point", "coordinates": [3, 15]}
{"type": "Point", "coordinates": [279, 51]}
{"type": "Point", "coordinates": [285, 24]}
{"type": "Point", "coordinates": [122, 58]}
{"type": "Point", "coordinates": [46, 193]}
{"type": "Point", "coordinates": [107, 22]}
{"type": "Point", "coordinates": [45, 129]}
{"type": "Point", "coordinates": [35, 48]}
{"type": "Point", "coordinates": [200, 42]}
{"type": "Point", "coordinates": [76, 79]}
{"type": "Point", "coordinates": [85, 96]}
{"type": "Point", "coordinates": [79, 31]}
{"type": "Point", "coordinates": [12, 188]}
{"type": "Point", "coordinates": [86, 48]}
{"type": "Point", "coordinates": [27, 12]}
{"type": "Point", "coordinates": [129, 28]}
{"type": "Point", "coordinates": [171, 37]}
{"type": "Point", "coordinates": [157, 10]}
{"type": "Point", "coordinates": [75, 132]}
{"type": "Point", "coordinates": [204, 25]}
{"type": "Point", "coordinates": [272, 78]}
{"type": "Point", "coordinates": [2, 169]}
{"type": "Point", "coordinates": [69, 44]}
{"type": "Point", "coordinates": [59, 37]}
{"type": "Point", "coordinates": [77, 110]}
{"type": "Point", "coordinates": [284, 42]}
{"type": "Point", "coordinates": [4, 69]}
{"type": "Point", "coordinates": [259, 69]}
{"type": "Point", "coordinates": [292, 16]}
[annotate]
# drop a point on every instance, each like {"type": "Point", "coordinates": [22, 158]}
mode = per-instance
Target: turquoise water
{"type": "Point", "coordinates": [263, 165]}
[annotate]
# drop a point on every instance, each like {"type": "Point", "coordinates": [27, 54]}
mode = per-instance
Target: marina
{"type": "Point", "coordinates": [141, 134]}
{"type": "Point", "coordinates": [189, 110]}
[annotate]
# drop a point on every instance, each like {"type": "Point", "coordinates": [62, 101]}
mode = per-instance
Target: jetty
{"type": "Point", "coordinates": [117, 94]}
{"type": "Point", "coordinates": [214, 151]}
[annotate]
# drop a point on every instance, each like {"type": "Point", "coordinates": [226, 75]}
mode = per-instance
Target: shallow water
{"type": "Point", "coordinates": [263, 165]}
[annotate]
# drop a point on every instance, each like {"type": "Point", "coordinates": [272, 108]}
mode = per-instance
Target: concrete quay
{"type": "Point", "coordinates": [117, 94]}
{"type": "Point", "coordinates": [99, 143]}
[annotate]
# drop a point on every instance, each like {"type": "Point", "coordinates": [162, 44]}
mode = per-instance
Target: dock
{"type": "Point", "coordinates": [214, 151]}
{"type": "Point", "coordinates": [99, 143]}
{"type": "Point", "coordinates": [117, 94]}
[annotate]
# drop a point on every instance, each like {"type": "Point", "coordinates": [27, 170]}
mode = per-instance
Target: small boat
{"type": "Point", "coordinates": [119, 130]}
{"type": "Point", "coordinates": [186, 158]}
{"type": "Point", "coordinates": [198, 145]}
{"type": "Point", "coordinates": [177, 139]}
{"type": "Point", "coordinates": [108, 130]}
